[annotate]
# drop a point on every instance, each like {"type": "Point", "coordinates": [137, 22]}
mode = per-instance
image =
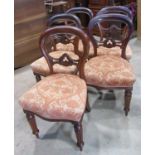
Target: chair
{"type": "Point", "coordinates": [114, 51]}
{"type": "Point", "coordinates": [116, 9]}
{"type": "Point", "coordinates": [40, 66]}
{"type": "Point", "coordinates": [81, 11]}
{"type": "Point", "coordinates": [77, 11]}
{"type": "Point", "coordinates": [110, 71]}
{"type": "Point", "coordinates": [59, 97]}
{"type": "Point", "coordinates": [106, 10]}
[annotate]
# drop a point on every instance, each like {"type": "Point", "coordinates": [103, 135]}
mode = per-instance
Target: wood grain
{"type": "Point", "coordinates": [30, 20]}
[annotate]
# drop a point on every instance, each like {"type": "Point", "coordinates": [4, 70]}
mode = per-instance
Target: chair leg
{"type": "Point", "coordinates": [128, 95]}
{"type": "Point", "coordinates": [79, 134]}
{"type": "Point", "coordinates": [100, 95]}
{"type": "Point", "coordinates": [111, 91]}
{"type": "Point", "coordinates": [37, 76]}
{"type": "Point", "coordinates": [88, 109]}
{"type": "Point", "coordinates": [31, 119]}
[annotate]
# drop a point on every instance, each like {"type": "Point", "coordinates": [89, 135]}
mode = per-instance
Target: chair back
{"type": "Point", "coordinates": [81, 10]}
{"type": "Point", "coordinates": [111, 31]}
{"type": "Point", "coordinates": [65, 60]}
{"type": "Point", "coordinates": [64, 19]}
{"type": "Point", "coordinates": [116, 9]}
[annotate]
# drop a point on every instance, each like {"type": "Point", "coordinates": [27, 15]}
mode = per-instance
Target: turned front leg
{"type": "Point", "coordinates": [128, 95]}
{"type": "Point", "coordinates": [79, 134]}
{"type": "Point", "coordinates": [87, 105]}
{"type": "Point", "coordinates": [37, 76]}
{"type": "Point", "coordinates": [31, 119]}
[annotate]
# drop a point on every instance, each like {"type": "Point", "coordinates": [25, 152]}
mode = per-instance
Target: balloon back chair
{"type": "Point", "coordinates": [59, 97]}
{"type": "Point", "coordinates": [40, 66]}
{"type": "Point", "coordinates": [110, 71]}
{"type": "Point", "coordinates": [115, 50]}
{"type": "Point", "coordinates": [81, 11]}
{"type": "Point", "coordinates": [116, 9]}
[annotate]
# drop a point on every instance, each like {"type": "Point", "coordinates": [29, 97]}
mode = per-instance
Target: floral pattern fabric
{"type": "Point", "coordinates": [59, 96]}
{"type": "Point", "coordinates": [109, 71]}
{"type": "Point", "coordinates": [108, 51]}
{"type": "Point", "coordinates": [65, 47]}
{"type": "Point", "coordinates": [40, 65]}
{"type": "Point", "coordinates": [100, 51]}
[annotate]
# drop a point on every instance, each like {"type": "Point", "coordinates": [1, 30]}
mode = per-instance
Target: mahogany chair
{"type": "Point", "coordinates": [106, 10]}
{"type": "Point", "coordinates": [59, 97]}
{"type": "Point", "coordinates": [81, 11]}
{"type": "Point", "coordinates": [116, 9]}
{"type": "Point", "coordinates": [77, 11]}
{"type": "Point", "coordinates": [40, 66]}
{"type": "Point", "coordinates": [110, 71]}
{"type": "Point", "coordinates": [115, 50]}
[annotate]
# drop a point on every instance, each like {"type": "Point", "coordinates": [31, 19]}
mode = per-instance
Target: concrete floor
{"type": "Point", "coordinates": [106, 130]}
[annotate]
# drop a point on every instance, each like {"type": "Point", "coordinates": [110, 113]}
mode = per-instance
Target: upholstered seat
{"type": "Point", "coordinates": [109, 71]}
{"type": "Point", "coordinates": [59, 96]}
{"type": "Point", "coordinates": [100, 50]}
{"type": "Point", "coordinates": [65, 47]}
{"type": "Point", "coordinates": [40, 65]}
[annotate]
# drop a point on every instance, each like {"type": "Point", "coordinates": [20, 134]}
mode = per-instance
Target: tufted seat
{"type": "Point", "coordinates": [109, 71]}
{"type": "Point", "coordinates": [100, 50]}
{"type": "Point", "coordinates": [59, 96]}
{"type": "Point", "coordinates": [40, 65]}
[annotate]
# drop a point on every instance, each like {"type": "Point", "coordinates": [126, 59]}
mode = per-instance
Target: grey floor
{"type": "Point", "coordinates": [106, 130]}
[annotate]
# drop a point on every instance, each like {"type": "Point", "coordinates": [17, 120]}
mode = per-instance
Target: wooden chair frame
{"type": "Point", "coordinates": [55, 19]}
{"type": "Point", "coordinates": [81, 10]}
{"type": "Point", "coordinates": [108, 18]}
{"type": "Point", "coordinates": [116, 9]}
{"type": "Point", "coordinates": [62, 60]}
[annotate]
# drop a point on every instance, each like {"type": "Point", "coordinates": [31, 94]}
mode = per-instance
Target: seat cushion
{"type": "Point", "coordinates": [40, 65]}
{"type": "Point", "coordinates": [58, 96]}
{"type": "Point", "coordinates": [100, 51]}
{"type": "Point", "coordinates": [108, 51]}
{"type": "Point", "coordinates": [65, 47]}
{"type": "Point", "coordinates": [109, 71]}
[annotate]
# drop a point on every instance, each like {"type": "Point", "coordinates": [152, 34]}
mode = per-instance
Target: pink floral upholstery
{"type": "Point", "coordinates": [108, 51]}
{"type": "Point", "coordinates": [109, 71]}
{"type": "Point", "coordinates": [59, 96]}
{"type": "Point", "coordinates": [100, 51]}
{"type": "Point", "coordinates": [65, 47]}
{"type": "Point", "coordinates": [40, 65]}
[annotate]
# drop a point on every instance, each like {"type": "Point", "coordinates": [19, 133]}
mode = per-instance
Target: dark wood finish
{"type": "Point", "coordinates": [30, 21]}
{"type": "Point", "coordinates": [85, 15]}
{"type": "Point", "coordinates": [112, 35]}
{"type": "Point", "coordinates": [79, 134]}
{"type": "Point", "coordinates": [128, 95]}
{"type": "Point", "coordinates": [110, 38]}
{"type": "Point", "coordinates": [116, 9]}
{"type": "Point", "coordinates": [61, 19]}
{"type": "Point", "coordinates": [77, 126]}
{"type": "Point", "coordinates": [65, 60]}
{"type": "Point", "coordinates": [95, 6]}
{"type": "Point", "coordinates": [37, 76]}
{"type": "Point", "coordinates": [88, 109]}
{"type": "Point", "coordinates": [65, 30]}
{"type": "Point", "coordinates": [64, 19]}
{"type": "Point", "coordinates": [31, 119]}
